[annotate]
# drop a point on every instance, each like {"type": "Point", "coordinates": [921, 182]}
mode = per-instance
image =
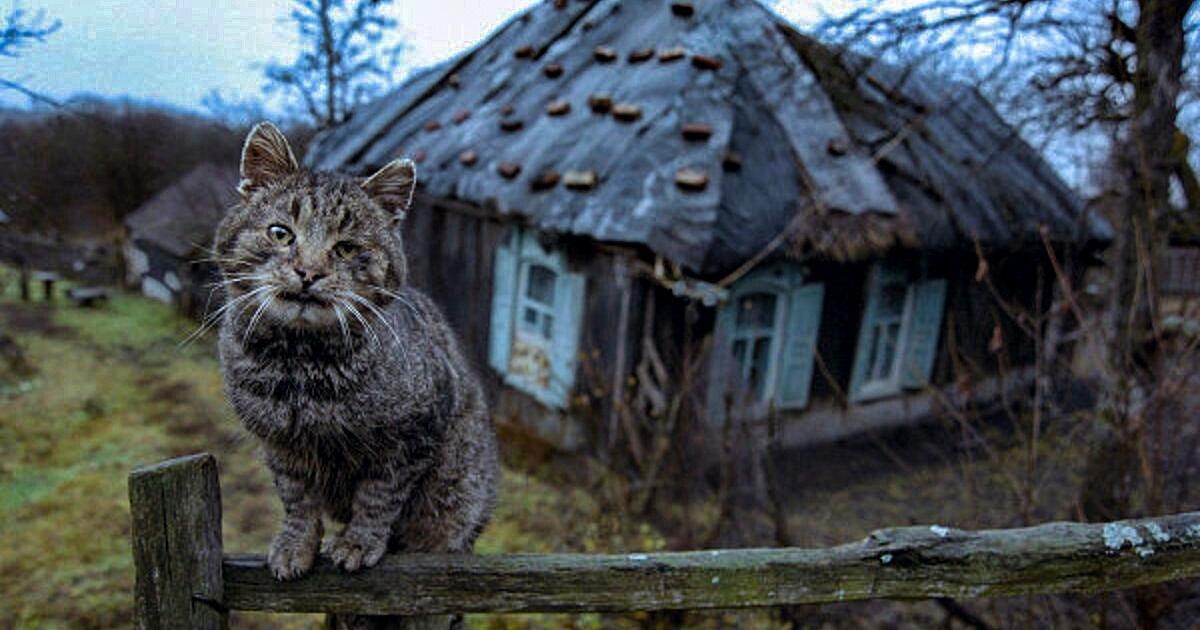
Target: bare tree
{"type": "Point", "coordinates": [1112, 65]}
{"type": "Point", "coordinates": [18, 31]}
{"type": "Point", "coordinates": [82, 168]}
{"type": "Point", "coordinates": [1125, 69]}
{"type": "Point", "coordinates": [349, 52]}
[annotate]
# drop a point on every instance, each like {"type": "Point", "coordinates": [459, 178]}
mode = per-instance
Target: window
{"type": "Point", "coordinates": [753, 340]}
{"type": "Point", "coordinates": [765, 341]}
{"type": "Point", "coordinates": [897, 342]}
{"type": "Point", "coordinates": [885, 331]}
{"type": "Point", "coordinates": [537, 302]}
{"type": "Point", "coordinates": [537, 306]}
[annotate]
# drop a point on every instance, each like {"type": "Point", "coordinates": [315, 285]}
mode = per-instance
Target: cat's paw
{"type": "Point", "coordinates": [292, 555]}
{"type": "Point", "coordinates": [356, 548]}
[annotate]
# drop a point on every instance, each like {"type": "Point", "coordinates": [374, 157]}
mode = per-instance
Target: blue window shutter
{"type": "Point", "coordinates": [504, 291]}
{"type": "Point", "coordinates": [924, 329]}
{"type": "Point", "coordinates": [721, 365]}
{"type": "Point", "coordinates": [568, 321]}
{"type": "Point", "coordinates": [799, 345]}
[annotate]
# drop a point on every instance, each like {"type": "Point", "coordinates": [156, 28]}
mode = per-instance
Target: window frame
{"type": "Point", "coordinates": [878, 387]}
{"type": "Point", "coordinates": [778, 291]}
{"type": "Point", "coordinates": [522, 300]}
{"type": "Point", "coordinates": [917, 346]}
{"type": "Point", "coordinates": [516, 255]}
{"type": "Point", "coordinates": [794, 335]}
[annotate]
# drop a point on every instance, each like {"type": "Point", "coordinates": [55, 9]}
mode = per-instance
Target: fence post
{"type": "Point", "coordinates": [177, 551]}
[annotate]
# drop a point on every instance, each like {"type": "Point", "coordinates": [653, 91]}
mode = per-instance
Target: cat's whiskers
{"type": "Point", "coordinates": [399, 298]}
{"type": "Point", "coordinates": [361, 320]}
{"type": "Point", "coordinates": [233, 279]}
{"type": "Point", "coordinates": [213, 256]}
{"type": "Point", "coordinates": [378, 313]}
{"type": "Point", "coordinates": [221, 261]}
{"type": "Point", "coordinates": [262, 307]}
{"type": "Point", "coordinates": [341, 317]}
{"type": "Point", "coordinates": [229, 281]}
{"type": "Point", "coordinates": [212, 320]}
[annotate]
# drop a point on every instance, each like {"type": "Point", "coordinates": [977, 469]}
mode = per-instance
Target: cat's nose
{"type": "Point", "coordinates": [307, 276]}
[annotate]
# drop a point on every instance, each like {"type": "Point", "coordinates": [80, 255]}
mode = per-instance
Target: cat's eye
{"type": "Point", "coordinates": [280, 234]}
{"type": "Point", "coordinates": [345, 250]}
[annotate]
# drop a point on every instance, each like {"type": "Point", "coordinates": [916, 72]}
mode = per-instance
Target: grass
{"type": "Point", "coordinates": [114, 389]}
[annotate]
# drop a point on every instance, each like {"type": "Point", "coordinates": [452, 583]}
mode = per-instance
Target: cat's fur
{"type": "Point", "coordinates": [366, 409]}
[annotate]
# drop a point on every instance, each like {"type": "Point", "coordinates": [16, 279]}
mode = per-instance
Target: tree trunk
{"type": "Point", "coordinates": [1144, 161]}
{"type": "Point", "coordinates": [331, 62]}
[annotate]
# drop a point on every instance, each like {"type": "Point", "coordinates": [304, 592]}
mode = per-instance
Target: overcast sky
{"type": "Point", "coordinates": [177, 51]}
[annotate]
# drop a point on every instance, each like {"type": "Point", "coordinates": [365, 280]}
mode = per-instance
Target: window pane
{"type": "Point", "coordinates": [873, 354]}
{"type": "Point", "coordinates": [739, 355]}
{"type": "Point", "coordinates": [530, 318]}
{"type": "Point", "coordinates": [540, 285]}
{"type": "Point", "coordinates": [548, 326]}
{"type": "Point", "coordinates": [756, 311]}
{"type": "Point", "coordinates": [891, 301]}
{"type": "Point", "coordinates": [758, 366]}
{"type": "Point", "coordinates": [889, 336]}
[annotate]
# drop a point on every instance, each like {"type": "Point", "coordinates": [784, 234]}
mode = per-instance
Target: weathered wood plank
{"type": "Point", "coordinates": [177, 551]}
{"type": "Point", "coordinates": [905, 563]}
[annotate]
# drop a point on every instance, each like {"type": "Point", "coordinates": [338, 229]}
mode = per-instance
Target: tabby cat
{"type": "Point", "coordinates": [366, 409]}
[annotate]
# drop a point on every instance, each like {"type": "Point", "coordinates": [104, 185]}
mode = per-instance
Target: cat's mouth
{"type": "Point", "coordinates": [303, 309]}
{"type": "Point", "coordinates": [305, 299]}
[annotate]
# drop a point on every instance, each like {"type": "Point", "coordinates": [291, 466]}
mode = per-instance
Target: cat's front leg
{"type": "Point", "coordinates": [295, 546]}
{"type": "Point", "coordinates": [377, 504]}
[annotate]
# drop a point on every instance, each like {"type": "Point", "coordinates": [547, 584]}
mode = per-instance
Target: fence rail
{"type": "Point", "coordinates": [184, 580]}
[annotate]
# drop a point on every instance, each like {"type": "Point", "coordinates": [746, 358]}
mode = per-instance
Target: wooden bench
{"type": "Point", "coordinates": [48, 279]}
{"type": "Point", "coordinates": [87, 297]}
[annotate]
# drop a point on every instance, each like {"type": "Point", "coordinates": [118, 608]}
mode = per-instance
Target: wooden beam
{"type": "Point", "coordinates": [904, 563]}
{"type": "Point", "coordinates": [177, 552]}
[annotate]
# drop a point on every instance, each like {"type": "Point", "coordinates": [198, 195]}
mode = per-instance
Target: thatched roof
{"type": "Point", "coordinates": [703, 130]}
{"type": "Point", "coordinates": [183, 218]}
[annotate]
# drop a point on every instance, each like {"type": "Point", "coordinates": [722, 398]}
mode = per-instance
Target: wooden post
{"type": "Point", "coordinates": [177, 552]}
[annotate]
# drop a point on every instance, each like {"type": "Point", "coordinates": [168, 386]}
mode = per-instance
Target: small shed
{"type": "Point", "coordinates": [614, 193]}
{"type": "Point", "coordinates": [169, 235]}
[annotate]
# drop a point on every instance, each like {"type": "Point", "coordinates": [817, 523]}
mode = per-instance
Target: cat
{"type": "Point", "coordinates": [353, 382]}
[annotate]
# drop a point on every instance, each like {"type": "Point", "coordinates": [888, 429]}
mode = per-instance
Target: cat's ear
{"type": "Point", "coordinates": [392, 186]}
{"type": "Point", "coordinates": [266, 157]}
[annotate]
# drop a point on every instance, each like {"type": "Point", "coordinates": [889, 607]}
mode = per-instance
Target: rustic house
{"type": "Point", "coordinates": [608, 184]}
{"type": "Point", "coordinates": [169, 235]}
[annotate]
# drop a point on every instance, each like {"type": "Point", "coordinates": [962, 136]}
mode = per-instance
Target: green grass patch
{"type": "Point", "coordinates": [113, 389]}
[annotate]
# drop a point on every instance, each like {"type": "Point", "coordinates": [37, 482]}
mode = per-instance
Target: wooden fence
{"type": "Point", "coordinates": [185, 581]}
